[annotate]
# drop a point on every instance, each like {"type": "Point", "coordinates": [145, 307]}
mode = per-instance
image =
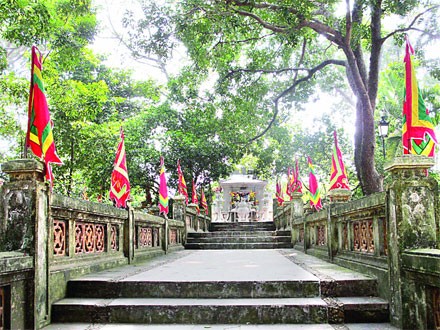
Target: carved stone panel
{"type": "Point", "coordinates": [59, 238]}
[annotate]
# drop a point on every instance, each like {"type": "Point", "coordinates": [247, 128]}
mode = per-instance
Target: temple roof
{"type": "Point", "coordinates": [242, 180]}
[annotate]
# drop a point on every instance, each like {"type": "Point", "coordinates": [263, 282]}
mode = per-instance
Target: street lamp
{"type": "Point", "coordinates": [383, 131]}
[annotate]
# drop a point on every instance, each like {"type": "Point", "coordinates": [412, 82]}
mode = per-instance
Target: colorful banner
{"type": "Point", "coordinates": [120, 184]}
{"type": "Point", "coordinates": [181, 185]}
{"type": "Point", "coordinates": [297, 185]}
{"type": "Point", "coordinates": [338, 176]}
{"type": "Point", "coordinates": [279, 193]}
{"type": "Point", "coordinates": [315, 194]}
{"type": "Point", "coordinates": [418, 136]}
{"type": "Point", "coordinates": [194, 199]}
{"type": "Point", "coordinates": [39, 135]}
{"type": "Point", "coordinates": [163, 190]}
{"type": "Point", "coordinates": [203, 202]}
{"type": "Point", "coordinates": [289, 184]}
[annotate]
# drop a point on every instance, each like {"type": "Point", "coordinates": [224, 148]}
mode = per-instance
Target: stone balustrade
{"type": "Point", "coordinates": [50, 239]}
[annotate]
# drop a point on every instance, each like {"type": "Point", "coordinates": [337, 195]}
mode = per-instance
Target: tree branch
{"type": "Point", "coordinates": [274, 28]}
{"type": "Point", "coordinates": [290, 89]}
{"type": "Point", "coordinates": [410, 26]}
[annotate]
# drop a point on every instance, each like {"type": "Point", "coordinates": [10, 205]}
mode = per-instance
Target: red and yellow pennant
{"type": "Point", "coordinates": [315, 194]}
{"type": "Point", "coordinates": [163, 190]}
{"type": "Point", "coordinates": [181, 185]}
{"type": "Point", "coordinates": [120, 184]}
{"type": "Point", "coordinates": [39, 135]}
{"type": "Point", "coordinates": [203, 202]}
{"type": "Point", "coordinates": [279, 193]}
{"type": "Point", "coordinates": [418, 136]}
{"type": "Point", "coordinates": [296, 185]}
{"type": "Point", "coordinates": [194, 198]}
{"type": "Point", "coordinates": [338, 176]}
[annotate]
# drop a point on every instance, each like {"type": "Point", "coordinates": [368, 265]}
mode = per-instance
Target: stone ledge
{"type": "Point", "coordinates": [409, 162]}
{"type": "Point", "coordinates": [15, 261]}
{"type": "Point", "coordinates": [426, 261]}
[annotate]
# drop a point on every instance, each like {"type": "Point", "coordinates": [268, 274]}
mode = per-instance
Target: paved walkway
{"type": "Point", "coordinates": [227, 265]}
{"type": "Point", "coordinates": [212, 265]}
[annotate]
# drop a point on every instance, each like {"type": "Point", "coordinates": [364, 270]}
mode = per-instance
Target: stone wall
{"type": "Point", "coordinates": [393, 236]}
{"type": "Point", "coordinates": [48, 239]}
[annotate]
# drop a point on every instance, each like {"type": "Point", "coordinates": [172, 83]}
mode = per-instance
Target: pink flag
{"type": "Point", "coordinates": [163, 189]}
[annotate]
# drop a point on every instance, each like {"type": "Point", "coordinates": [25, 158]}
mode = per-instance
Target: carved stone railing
{"type": "Point", "coordinates": [196, 222]}
{"type": "Point", "coordinates": [47, 239]}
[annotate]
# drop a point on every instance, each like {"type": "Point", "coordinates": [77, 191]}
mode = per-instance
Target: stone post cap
{"type": "Point", "coordinates": [296, 195]}
{"type": "Point", "coordinates": [407, 163]}
{"type": "Point", "coordinates": [179, 198]}
{"type": "Point", "coordinates": [339, 195]}
{"type": "Point", "coordinates": [24, 169]}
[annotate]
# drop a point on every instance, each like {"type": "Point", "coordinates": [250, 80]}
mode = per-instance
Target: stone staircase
{"type": "Point", "coordinates": [240, 235]}
{"type": "Point", "coordinates": [318, 299]}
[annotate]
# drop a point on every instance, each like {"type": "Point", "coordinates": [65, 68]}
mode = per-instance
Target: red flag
{"type": "Point", "coordinates": [297, 185]}
{"type": "Point", "coordinates": [338, 176]}
{"type": "Point", "coordinates": [289, 183]}
{"type": "Point", "coordinates": [163, 190]}
{"type": "Point", "coordinates": [418, 136]}
{"type": "Point", "coordinates": [181, 186]}
{"type": "Point", "coordinates": [39, 135]}
{"type": "Point", "coordinates": [315, 194]}
{"type": "Point", "coordinates": [120, 185]}
{"type": "Point", "coordinates": [194, 198]}
{"type": "Point", "coordinates": [279, 193]}
{"type": "Point", "coordinates": [203, 202]}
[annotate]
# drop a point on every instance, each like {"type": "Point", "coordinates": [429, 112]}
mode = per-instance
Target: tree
{"type": "Point", "coordinates": [60, 28]}
{"type": "Point", "coordinates": [290, 46]}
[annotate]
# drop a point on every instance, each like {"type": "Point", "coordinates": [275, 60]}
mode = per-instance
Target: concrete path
{"type": "Point", "coordinates": [227, 265]}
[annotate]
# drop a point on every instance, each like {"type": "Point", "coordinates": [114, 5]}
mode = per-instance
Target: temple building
{"type": "Point", "coordinates": [242, 198]}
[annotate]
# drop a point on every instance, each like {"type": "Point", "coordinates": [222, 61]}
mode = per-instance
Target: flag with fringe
{"type": "Point", "coordinates": [289, 183]}
{"type": "Point", "coordinates": [181, 185]}
{"type": "Point", "coordinates": [418, 136]}
{"type": "Point", "coordinates": [315, 194]}
{"type": "Point", "coordinates": [338, 176]}
{"type": "Point", "coordinates": [163, 189]}
{"type": "Point", "coordinates": [279, 193]}
{"type": "Point", "coordinates": [203, 202]}
{"type": "Point", "coordinates": [120, 184]}
{"type": "Point", "coordinates": [39, 136]}
{"type": "Point", "coordinates": [194, 199]}
{"type": "Point", "coordinates": [296, 185]}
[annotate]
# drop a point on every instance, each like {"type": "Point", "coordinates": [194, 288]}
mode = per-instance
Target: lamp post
{"type": "Point", "coordinates": [383, 131]}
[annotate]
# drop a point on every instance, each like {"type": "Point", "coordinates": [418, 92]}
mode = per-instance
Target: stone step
{"type": "Point", "coordinates": [236, 233]}
{"type": "Point", "coordinates": [239, 239]}
{"type": "Point", "coordinates": [364, 309]}
{"type": "Point", "coordinates": [131, 326]}
{"type": "Point", "coordinates": [349, 288]}
{"type": "Point", "coordinates": [242, 226]}
{"type": "Point", "coordinates": [237, 246]}
{"type": "Point", "coordinates": [213, 289]}
{"type": "Point", "coordinates": [219, 311]}
{"type": "Point", "coordinates": [191, 311]}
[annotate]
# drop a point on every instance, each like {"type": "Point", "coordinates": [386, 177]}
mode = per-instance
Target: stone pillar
{"type": "Point", "coordinates": [195, 221]}
{"type": "Point", "coordinates": [129, 234]}
{"type": "Point", "coordinates": [179, 208]}
{"type": "Point", "coordinates": [179, 212]}
{"type": "Point", "coordinates": [411, 225]}
{"type": "Point", "coordinates": [336, 196]}
{"type": "Point", "coordinates": [26, 228]}
{"type": "Point", "coordinates": [296, 211]}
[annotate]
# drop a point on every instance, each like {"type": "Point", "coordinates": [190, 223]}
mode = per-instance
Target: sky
{"type": "Point", "coordinates": [110, 13]}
